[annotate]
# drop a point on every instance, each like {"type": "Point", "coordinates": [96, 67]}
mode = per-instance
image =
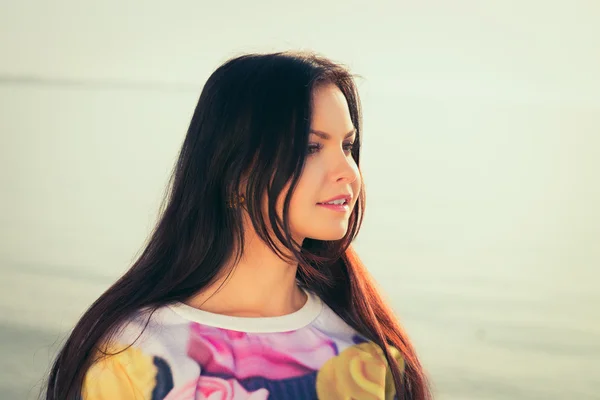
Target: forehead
{"type": "Point", "coordinates": [330, 111]}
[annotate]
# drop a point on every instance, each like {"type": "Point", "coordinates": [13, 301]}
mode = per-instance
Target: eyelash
{"type": "Point", "coordinates": [318, 146]}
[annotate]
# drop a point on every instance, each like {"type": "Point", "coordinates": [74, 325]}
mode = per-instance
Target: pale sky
{"type": "Point", "coordinates": [481, 119]}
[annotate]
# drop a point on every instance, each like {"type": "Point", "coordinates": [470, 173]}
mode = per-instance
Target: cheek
{"type": "Point", "coordinates": [302, 199]}
{"type": "Point", "coordinates": [357, 184]}
{"type": "Point", "coordinates": [356, 187]}
{"type": "Point", "coordinates": [299, 202]}
{"type": "Point", "coordinates": [358, 174]}
{"type": "Point", "coordinates": [307, 189]}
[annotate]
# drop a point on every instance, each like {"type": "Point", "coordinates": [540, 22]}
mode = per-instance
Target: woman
{"type": "Point", "coordinates": [248, 287]}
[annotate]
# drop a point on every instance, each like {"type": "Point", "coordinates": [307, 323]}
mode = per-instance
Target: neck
{"type": "Point", "coordinates": [260, 285]}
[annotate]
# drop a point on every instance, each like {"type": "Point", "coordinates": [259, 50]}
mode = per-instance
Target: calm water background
{"type": "Point", "coordinates": [481, 161]}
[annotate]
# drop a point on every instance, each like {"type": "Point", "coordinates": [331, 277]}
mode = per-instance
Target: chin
{"type": "Point", "coordinates": [329, 235]}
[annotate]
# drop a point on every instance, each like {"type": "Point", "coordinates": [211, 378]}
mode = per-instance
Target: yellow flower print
{"type": "Point", "coordinates": [130, 374]}
{"type": "Point", "coordinates": [359, 372]}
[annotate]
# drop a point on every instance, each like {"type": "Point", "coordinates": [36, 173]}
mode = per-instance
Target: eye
{"type": "Point", "coordinates": [350, 146]}
{"type": "Point", "coordinates": [313, 148]}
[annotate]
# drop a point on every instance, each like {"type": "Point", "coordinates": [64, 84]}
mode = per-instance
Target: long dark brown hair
{"type": "Point", "coordinates": [253, 114]}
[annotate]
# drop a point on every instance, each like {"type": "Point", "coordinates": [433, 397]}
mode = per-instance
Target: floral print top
{"type": "Point", "coordinates": [188, 354]}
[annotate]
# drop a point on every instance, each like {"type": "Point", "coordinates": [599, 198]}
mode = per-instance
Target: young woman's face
{"type": "Point", "coordinates": [329, 170]}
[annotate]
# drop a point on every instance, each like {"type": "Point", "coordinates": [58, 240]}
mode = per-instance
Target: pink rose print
{"type": "Point", "coordinates": [209, 388]}
{"type": "Point", "coordinates": [270, 355]}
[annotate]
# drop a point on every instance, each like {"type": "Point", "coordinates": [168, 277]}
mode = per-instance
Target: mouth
{"type": "Point", "coordinates": [341, 205]}
{"type": "Point", "coordinates": [342, 199]}
{"type": "Point", "coordinates": [342, 202]}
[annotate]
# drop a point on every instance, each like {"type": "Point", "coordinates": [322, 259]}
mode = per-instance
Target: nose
{"type": "Point", "coordinates": [345, 169]}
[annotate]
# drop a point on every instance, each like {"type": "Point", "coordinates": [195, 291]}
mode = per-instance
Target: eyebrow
{"type": "Point", "coordinates": [327, 136]}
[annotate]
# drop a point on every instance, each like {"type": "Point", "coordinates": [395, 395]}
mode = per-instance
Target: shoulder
{"type": "Point", "coordinates": [330, 323]}
{"type": "Point", "coordinates": [359, 362]}
{"type": "Point", "coordinates": [141, 360]}
{"type": "Point", "coordinates": [120, 372]}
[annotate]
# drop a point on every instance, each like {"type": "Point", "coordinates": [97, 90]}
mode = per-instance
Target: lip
{"type": "Point", "coordinates": [345, 196]}
{"type": "Point", "coordinates": [336, 207]}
